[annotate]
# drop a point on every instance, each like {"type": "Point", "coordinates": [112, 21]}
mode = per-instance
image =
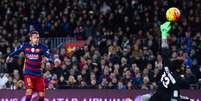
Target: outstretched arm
{"type": "Point", "coordinates": [165, 52]}
{"type": "Point", "coordinates": [14, 53]}
{"type": "Point", "coordinates": [165, 32]}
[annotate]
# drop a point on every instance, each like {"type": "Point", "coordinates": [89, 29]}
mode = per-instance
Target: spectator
{"type": "Point", "coordinates": [62, 83]}
{"type": "Point", "coordinates": [189, 76]}
{"type": "Point", "coordinates": [4, 80]}
{"type": "Point", "coordinates": [71, 82]}
{"type": "Point", "coordinates": [146, 85]}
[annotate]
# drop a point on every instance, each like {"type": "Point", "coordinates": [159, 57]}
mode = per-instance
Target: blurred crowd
{"type": "Point", "coordinates": [122, 42]}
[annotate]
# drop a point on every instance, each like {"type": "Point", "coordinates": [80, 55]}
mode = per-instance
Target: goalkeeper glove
{"type": "Point", "coordinates": [165, 28]}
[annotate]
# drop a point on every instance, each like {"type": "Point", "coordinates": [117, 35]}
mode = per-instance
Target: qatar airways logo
{"type": "Point", "coordinates": [55, 97]}
{"type": "Point", "coordinates": [32, 56]}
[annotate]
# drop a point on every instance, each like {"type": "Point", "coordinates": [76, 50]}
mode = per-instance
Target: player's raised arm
{"type": "Point", "coordinates": [165, 52]}
{"type": "Point", "coordinates": [14, 53]}
{"type": "Point", "coordinates": [165, 32]}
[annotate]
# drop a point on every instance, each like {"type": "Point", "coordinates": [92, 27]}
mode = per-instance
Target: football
{"type": "Point", "coordinates": [173, 14]}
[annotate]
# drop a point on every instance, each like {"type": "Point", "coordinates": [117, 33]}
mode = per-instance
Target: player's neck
{"type": "Point", "coordinates": [32, 44]}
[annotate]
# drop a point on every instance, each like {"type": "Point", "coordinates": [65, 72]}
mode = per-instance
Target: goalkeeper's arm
{"type": "Point", "coordinates": [165, 52]}
{"type": "Point", "coordinates": [165, 32]}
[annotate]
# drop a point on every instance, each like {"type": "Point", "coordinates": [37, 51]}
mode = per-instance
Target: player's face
{"type": "Point", "coordinates": [34, 39]}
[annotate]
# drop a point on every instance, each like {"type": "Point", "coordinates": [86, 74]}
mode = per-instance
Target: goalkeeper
{"type": "Point", "coordinates": [168, 88]}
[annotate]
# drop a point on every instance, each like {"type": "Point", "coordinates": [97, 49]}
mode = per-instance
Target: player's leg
{"type": "Point", "coordinates": [183, 98]}
{"type": "Point", "coordinates": [29, 87]}
{"type": "Point", "coordinates": [40, 88]}
{"type": "Point", "coordinates": [160, 96]}
{"type": "Point", "coordinates": [28, 94]}
{"type": "Point", "coordinates": [176, 96]}
{"type": "Point", "coordinates": [156, 97]}
{"type": "Point", "coordinates": [41, 96]}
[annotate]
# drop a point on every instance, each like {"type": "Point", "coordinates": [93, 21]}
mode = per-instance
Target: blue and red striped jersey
{"type": "Point", "coordinates": [33, 58]}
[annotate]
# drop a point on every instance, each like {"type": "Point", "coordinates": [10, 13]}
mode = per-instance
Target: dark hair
{"type": "Point", "coordinates": [33, 32]}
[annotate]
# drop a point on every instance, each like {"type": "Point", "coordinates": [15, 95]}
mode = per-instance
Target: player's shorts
{"type": "Point", "coordinates": [36, 83]}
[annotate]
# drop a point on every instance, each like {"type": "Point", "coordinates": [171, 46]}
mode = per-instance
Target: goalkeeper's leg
{"type": "Point", "coordinates": [160, 96]}
{"type": "Point", "coordinates": [177, 97]}
{"type": "Point", "coordinates": [181, 99]}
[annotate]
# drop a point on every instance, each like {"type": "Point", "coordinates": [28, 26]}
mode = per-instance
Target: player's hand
{"type": "Point", "coordinates": [165, 28]}
{"type": "Point", "coordinates": [44, 60]}
{"type": "Point", "coordinates": [48, 65]}
{"type": "Point", "coordinates": [9, 59]}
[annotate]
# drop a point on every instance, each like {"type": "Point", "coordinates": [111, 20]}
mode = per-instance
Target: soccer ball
{"type": "Point", "coordinates": [173, 14]}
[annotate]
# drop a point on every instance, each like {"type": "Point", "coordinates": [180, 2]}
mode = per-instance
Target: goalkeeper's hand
{"type": "Point", "coordinates": [165, 28]}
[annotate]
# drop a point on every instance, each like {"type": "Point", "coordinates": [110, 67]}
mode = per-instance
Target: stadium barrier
{"type": "Point", "coordinates": [57, 42]}
{"type": "Point", "coordinates": [88, 95]}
